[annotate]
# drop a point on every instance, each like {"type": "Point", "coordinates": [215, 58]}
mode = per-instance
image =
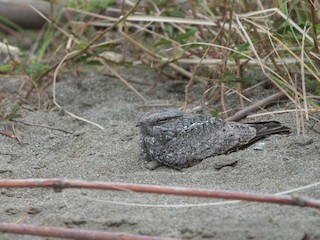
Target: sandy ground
{"type": "Point", "coordinates": [88, 153]}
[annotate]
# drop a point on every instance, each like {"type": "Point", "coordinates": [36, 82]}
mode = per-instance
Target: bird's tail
{"type": "Point", "coordinates": [265, 129]}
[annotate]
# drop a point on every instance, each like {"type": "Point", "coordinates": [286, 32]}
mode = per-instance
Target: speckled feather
{"type": "Point", "coordinates": [178, 140]}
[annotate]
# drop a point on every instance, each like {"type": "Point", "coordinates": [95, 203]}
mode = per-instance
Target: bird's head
{"type": "Point", "coordinates": [158, 117]}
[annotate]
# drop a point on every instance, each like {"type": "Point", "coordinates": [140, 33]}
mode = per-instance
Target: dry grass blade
{"type": "Point", "coordinates": [48, 20]}
{"type": "Point", "coordinates": [161, 59]}
{"type": "Point", "coordinates": [8, 134]}
{"type": "Point", "coordinates": [303, 82]}
{"type": "Point", "coordinates": [60, 184]}
{"type": "Point", "coordinates": [171, 20]}
{"type": "Point", "coordinates": [67, 57]}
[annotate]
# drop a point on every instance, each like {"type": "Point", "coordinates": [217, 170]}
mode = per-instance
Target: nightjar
{"type": "Point", "coordinates": [178, 140]}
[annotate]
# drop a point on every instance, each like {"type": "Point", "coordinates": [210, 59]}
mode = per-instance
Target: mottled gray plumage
{"type": "Point", "coordinates": [177, 139]}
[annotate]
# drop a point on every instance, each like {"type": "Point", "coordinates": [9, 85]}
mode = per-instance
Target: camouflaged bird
{"type": "Point", "coordinates": [178, 140]}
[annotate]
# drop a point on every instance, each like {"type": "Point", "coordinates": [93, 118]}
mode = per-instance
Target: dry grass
{"type": "Point", "coordinates": [214, 43]}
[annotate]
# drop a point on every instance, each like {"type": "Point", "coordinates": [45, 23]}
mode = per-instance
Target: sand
{"type": "Point", "coordinates": [77, 150]}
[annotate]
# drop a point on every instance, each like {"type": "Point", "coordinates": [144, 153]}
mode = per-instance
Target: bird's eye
{"type": "Point", "coordinates": [164, 120]}
{"type": "Point", "coordinates": [160, 121]}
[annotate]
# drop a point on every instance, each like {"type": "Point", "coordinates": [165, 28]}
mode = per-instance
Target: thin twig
{"type": "Point", "coordinates": [53, 23]}
{"type": "Point", "coordinates": [299, 115]}
{"type": "Point", "coordinates": [61, 232]}
{"type": "Point", "coordinates": [254, 107]}
{"type": "Point", "coordinates": [43, 126]}
{"type": "Point", "coordinates": [8, 134]}
{"type": "Point", "coordinates": [60, 184]}
{"type": "Point", "coordinates": [163, 60]}
{"type": "Point", "coordinates": [15, 133]}
{"type": "Point", "coordinates": [65, 58]}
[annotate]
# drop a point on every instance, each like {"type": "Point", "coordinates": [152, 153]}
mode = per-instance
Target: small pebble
{"type": "Point", "coordinates": [152, 165]}
{"type": "Point", "coordinates": [259, 146]}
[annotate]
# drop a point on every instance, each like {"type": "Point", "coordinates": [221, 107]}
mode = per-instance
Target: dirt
{"type": "Point", "coordinates": [72, 149]}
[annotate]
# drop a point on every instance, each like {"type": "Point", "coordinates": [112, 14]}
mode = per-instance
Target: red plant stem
{"type": "Point", "coordinates": [59, 184]}
{"type": "Point", "coordinates": [61, 232]}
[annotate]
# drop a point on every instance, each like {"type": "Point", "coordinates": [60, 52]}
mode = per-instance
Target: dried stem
{"type": "Point", "coordinates": [254, 107]}
{"type": "Point", "coordinates": [42, 126]}
{"type": "Point", "coordinates": [313, 25]}
{"type": "Point", "coordinates": [8, 134]}
{"type": "Point", "coordinates": [59, 184]}
{"type": "Point", "coordinates": [60, 232]}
